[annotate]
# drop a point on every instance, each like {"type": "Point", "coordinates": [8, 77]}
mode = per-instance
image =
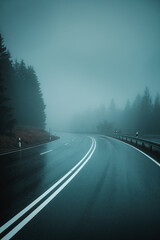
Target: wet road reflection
{"type": "Point", "coordinates": [21, 175]}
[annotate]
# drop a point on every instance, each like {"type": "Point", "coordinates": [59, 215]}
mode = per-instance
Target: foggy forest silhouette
{"type": "Point", "coordinates": [21, 100]}
{"type": "Point", "coordinates": [142, 115]}
{"type": "Point", "coordinates": [22, 104]}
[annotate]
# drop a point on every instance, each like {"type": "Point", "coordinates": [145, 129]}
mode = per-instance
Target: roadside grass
{"type": "Point", "coordinates": [29, 137]}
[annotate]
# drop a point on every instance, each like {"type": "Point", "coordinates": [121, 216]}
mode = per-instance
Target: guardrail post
{"type": "Point", "coordinates": [19, 142]}
{"type": "Point", "coordinates": [142, 143]}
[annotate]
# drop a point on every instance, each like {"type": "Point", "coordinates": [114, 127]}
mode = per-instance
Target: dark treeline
{"type": "Point", "coordinates": [142, 115]}
{"type": "Point", "coordinates": [21, 100]}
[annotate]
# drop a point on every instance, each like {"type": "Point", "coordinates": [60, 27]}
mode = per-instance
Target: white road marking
{"type": "Point", "coordinates": [21, 213]}
{"type": "Point", "coordinates": [152, 159]}
{"type": "Point", "coordinates": [41, 206]}
{"type": "Point", "coordinates": [46, 152]}
{"type": "Point", "coordinates": [66, 144]}
{"type": "Point", "coordinates": [158, 164]}
{"type": "Point", "coordinates": [23, 149]}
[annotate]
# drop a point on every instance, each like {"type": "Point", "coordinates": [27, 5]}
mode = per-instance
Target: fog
{"type": "Point", "coordinates": [85, 53]}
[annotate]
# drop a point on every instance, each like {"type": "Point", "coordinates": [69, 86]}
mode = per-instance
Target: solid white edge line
{"type": "Point", "coordinates": [46, 152]}
{"type": "Point", "coordinates": [26, 209]}
{"type": "Point", "coordinates": [42, 205]}
{"type": "Point", "coordinates": [152, 159]}
{"type": "Point", "coordinates": [23, 149]}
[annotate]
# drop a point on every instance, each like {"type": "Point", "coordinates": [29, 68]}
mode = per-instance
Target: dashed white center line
{"type": "Point", "coordinates": [46, 152]}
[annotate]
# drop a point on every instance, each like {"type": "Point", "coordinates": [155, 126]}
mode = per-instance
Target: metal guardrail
{"type": "Point", "coordinates": [148, 146]}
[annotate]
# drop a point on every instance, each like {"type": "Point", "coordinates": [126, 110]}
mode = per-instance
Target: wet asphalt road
{"type": "Point", "coordinates": [115, 195]}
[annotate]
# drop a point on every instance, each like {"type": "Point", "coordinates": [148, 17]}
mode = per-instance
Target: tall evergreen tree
{"type": "Point", "coordinates": [29, 97]}
{"type": "Point", "coordinates": [6, 68]}
{"type": "Point", "coordinates": [20, 84]}
{"type": "Point", "coordinates": [135, 114]}
{"type": "Point", "coordinates": [6, 117]}
{"type": "Point", "coordinates": [6, 112]}
{"type": "Point", "coordinates": [146, 112]}
{"type": "Point", "coordinates": [156, 115]}
{"type": "Point", "coordinates": [126, 121]}
{"type": "Point", "coordinates": [20, 93]}
{"type": "Point", "coordinates": [35, 103]}
{"type": "Point", "coordinates": [112, 111]}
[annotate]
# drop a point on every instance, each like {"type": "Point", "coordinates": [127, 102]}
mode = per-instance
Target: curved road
{"type": "Point", "coordinates": [79, 187]}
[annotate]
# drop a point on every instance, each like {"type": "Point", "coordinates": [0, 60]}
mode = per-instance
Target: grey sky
{"type": "Point", "coordinates": [85, 52]}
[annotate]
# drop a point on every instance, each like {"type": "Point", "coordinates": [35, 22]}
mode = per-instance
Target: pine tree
{"type": "Point", "coordinates": [29, 97]}
{"type": "Point", "coordinates": [127, 118]}
{"type": "Point", "coordinates": [112, 111]}
{"type": "Point", "coordinates": [6, 68]}
{"type": "Point", "coordinates": [146, 112]}
{"type": "Point", "coordinates": [35, 99]}
{"type": "Point", "coordinates": [135, 114]}
{"type": "Point", "coordinates": [156, 115]}
{"type": "Point", "coordinates": [6, 116]}
{"type": "Point", "coordinates": [20, 93]}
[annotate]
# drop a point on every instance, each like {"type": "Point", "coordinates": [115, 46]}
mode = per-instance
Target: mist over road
{"type": "Point", "coordinates": [80, 187]}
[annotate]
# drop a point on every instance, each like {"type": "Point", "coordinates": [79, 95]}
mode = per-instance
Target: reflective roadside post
{"type": "Point", "coordinates": [20, 143]}
{"type": "Point", "coordinates": [136, 134]}
{"type": "Point", "coordinates": [50, 138]}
